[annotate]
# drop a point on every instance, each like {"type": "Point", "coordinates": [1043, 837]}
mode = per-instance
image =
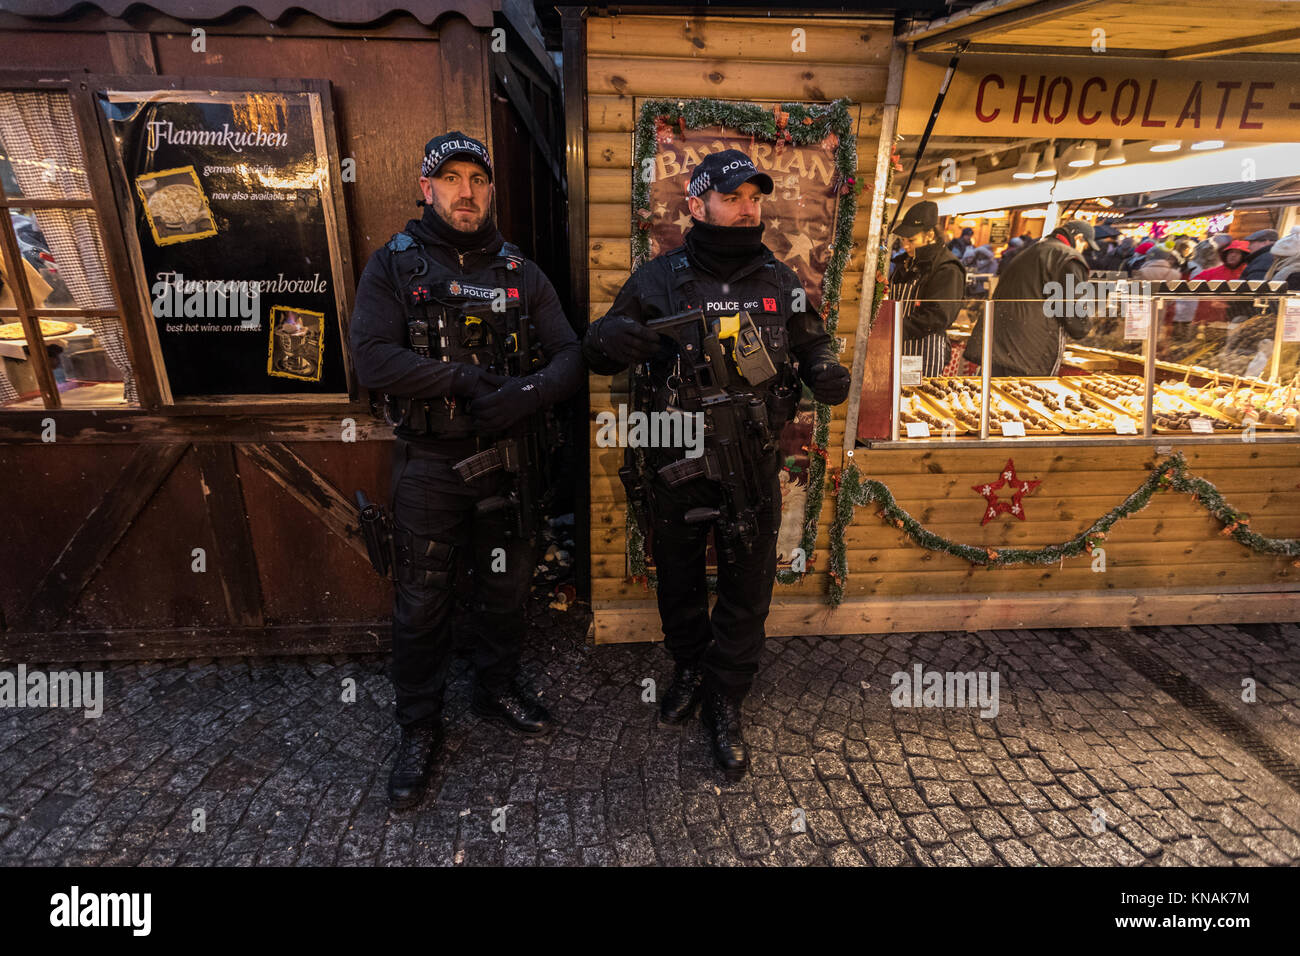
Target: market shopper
{"type": "Point", "coordinates": [1260, 257]}
{"type": "Point", "coordinates": [725, 269]}
{"type": "Point", "coordinates": [1107, 258]}
{"type": "Point", "coordinates": [1232, 263]}
{"type": "Point", "coordinates": [927, 287]}
{"type": "Point", "coordinates": [457, 378]}
{"type": "Point", "coordinates": [1286, 260]}
{"type": "Point", "coordinates": [983, 261]}
{"type": "Point", "coordinates": [1177, 315]}
{"type": "Point", "coordinates": [1029, 329]}
{"type": "Point", "coordinates": [963, 243]}
{"type": "Point", "coordinates": [1014, 245]}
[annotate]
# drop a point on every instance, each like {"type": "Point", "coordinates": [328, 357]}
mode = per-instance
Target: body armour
{"type": "Point", "coordinates": [479, 318]}
{"type": "Point", "coordinates": [676, 287]}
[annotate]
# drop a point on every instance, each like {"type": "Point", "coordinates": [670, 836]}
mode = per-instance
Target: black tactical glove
{"type": "Point", "coordinates": [625, 340]}
{"type": "Point", "coordinates": [472, 382]}
{"type": "Point", "coordinates": [830, 383]}
{"type": "Point", "coordinates": [512, 402]}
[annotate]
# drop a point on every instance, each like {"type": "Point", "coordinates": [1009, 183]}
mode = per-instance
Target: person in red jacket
{"type": "Point", "coordinates": [1233, 257]}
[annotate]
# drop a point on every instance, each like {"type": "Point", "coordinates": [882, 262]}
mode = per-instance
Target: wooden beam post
{"type": "Point", "coordinates": [236, 561]}
{"type": "Point", "coordinates": [884, 149]}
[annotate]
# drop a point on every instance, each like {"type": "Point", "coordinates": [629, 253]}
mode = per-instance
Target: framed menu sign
{"type": "Point", "coordinates": [237, 223]}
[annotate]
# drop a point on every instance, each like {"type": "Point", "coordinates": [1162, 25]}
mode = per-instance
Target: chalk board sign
{"type": "Point", "coordinates": [236, 234]}
{"type": "Point", "coordinates": [999, 230]}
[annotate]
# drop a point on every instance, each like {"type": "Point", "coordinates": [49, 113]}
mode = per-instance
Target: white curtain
{"type": "Point", "coordinates": [40, 137]}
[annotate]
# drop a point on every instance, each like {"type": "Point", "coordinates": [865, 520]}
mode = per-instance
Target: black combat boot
{"type": "Point", "coordinates": [722, 717]}
{"type": "Point", "coordinates": [514, 707]}
{"type": "Point", "coordinates": [683, 694]}
{"type": "Point", "coordinates": [414, 764]}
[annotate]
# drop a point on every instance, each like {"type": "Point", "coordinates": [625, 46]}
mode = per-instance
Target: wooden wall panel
{"type": "Point", "coordinates": [147, 581]}
{"type": "Point", "coordinates": [1172, 546]}
{"type": "Point", "coordinates": [67, 51]}
{"type": "Point", "coordinates": [308, 573]}
{"type": "Point", "coordinates": [49, 490]}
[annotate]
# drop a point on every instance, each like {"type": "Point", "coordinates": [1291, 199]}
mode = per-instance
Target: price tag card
{"type": "Point", "coordinates": [1125, 426]}
{"type": "Point", "coordinates": [1013, 429]}
{"type": "Point", "coordinates": [1291, 321]}
{"type": "Point", "coordinates": [1137, 319]}
{"type": "Point", "coordinates": [1202, 426]}
{"type": "Point", "coordinates": [911, 368]}
{"type": "Point", "coordinates": [917, 429]}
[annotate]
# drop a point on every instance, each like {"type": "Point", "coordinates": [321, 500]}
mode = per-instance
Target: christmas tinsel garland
{"type": "Point", "coordinates": [800, 124]}
{"type": "Point", "coordinates": [1168, 475]}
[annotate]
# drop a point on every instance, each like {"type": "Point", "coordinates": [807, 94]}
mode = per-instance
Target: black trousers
{"type": "Point", "coordinates": [432, 503]}
{"type": "Point", "coordinates": [730, 643]}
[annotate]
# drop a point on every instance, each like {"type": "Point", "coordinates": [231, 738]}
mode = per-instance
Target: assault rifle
{"type": "Point", "coordinates": [736, 433]}
{"type": "Point", "coordinates": [526, 454]}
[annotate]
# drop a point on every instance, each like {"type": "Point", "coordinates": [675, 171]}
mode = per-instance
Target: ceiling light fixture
{"type": "Point", "coordinates": [1047, 165]}
{"type": "Point", "coordinates": [1083, 155]}
{"type": "Point", "coordinates": [1027, 167]}
{"type": "Point", "coordinates": [1114, 155]}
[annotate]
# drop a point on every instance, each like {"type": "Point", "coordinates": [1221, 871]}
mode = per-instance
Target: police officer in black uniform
{"type": "Point", "coordinates": [467, 342]}
{"type": "Point", "coordinates": [724, 269]}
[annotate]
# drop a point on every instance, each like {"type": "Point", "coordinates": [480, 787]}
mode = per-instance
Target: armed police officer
{"type": "Point", "coordinates": [738, 365]}
{"type": "Point", "coordinates": [467, 342]}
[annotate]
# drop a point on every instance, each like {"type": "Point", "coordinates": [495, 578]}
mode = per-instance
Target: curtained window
{"type": "Point", "coordinates": [52, 266]}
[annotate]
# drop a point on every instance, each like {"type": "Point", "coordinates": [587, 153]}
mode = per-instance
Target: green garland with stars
{"type": "Point", "coordinates": [1168, 475]}
{"type": "Point", "coordinates": [804, 124]}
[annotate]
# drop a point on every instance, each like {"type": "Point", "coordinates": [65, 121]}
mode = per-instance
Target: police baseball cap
{"type": "Point", "coordinates": [922, 216]}
{"type": "Point", "coordinates": [726, 172]}
{"type": "Point", "coordinates": [454, 145]}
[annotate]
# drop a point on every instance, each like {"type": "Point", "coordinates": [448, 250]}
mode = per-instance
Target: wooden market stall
{"type": "Point", "coordinates": [160, 502]}
{"type": "Point", "coordinates": [621, 61]}
{"type": "Point", "coordinates": [1209, 534]}
{"type": "Point", "coordinates": [901, 543]}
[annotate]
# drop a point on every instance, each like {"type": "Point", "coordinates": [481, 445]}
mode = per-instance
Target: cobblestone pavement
{"type": "Point", "coordinates": [1129, 747]}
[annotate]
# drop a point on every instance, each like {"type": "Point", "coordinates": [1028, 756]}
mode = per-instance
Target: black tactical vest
{"type": "Point", "coordinates": [677, 287]}
{"type": "Point", "coordinates": [479, 318]}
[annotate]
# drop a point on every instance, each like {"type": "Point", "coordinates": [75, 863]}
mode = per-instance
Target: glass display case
{"type": "Point", "coordinates": [1119, 359]}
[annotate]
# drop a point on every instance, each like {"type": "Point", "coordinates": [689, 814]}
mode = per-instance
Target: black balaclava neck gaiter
{"type": "Point", "coordinates": [434, 226]}
{"type": "Point", "coordinates": [724, 250]}
{"type": "Point", "coordinates": [926, 254]}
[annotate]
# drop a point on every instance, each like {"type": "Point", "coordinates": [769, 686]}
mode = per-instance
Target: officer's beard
{"type": "Point", "coordinates": [447, 215]}
{"type": "Point", "coordinates": [438, 221]}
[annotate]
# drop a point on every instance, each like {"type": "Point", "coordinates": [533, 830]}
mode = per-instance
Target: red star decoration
{"type": "Point", "coordinates": [1019, 489]}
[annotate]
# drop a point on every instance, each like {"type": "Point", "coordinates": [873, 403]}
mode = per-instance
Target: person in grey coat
{"type": "Point", "coordinates": [1031, 316]}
